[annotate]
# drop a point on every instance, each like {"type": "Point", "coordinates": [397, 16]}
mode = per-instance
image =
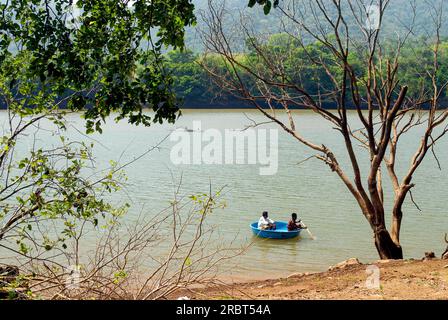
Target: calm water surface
{"type": "Point", "coordinates": [308, 188]}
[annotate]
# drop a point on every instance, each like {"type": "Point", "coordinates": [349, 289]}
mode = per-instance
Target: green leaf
{"type": "Point", "coordinates": [267, 7]}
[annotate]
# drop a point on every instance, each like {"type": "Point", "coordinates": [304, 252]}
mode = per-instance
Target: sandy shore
{"type": "Point", "coordinates": [405, 279]}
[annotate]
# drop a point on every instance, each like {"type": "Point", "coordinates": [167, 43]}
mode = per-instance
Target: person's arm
{"type": "Point", "coordinates": [302, 225]}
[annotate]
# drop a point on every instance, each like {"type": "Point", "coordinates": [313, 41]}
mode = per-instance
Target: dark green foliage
{"type": "Point", "coordinates": [267, 4]}
{"type": "Point", "coordinates": [190, 82]}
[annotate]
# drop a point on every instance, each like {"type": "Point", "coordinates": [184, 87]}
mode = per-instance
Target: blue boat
{"type": "Point", "coordinates": [281, 232]}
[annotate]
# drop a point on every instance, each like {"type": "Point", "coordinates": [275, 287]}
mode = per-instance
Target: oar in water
{"type": "Point", "coordinates": [309, 232]}
{"type": "Point", "coordinates": [311, 235]}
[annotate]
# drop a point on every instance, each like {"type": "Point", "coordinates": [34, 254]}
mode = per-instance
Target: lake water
{"type": "Point", "coordinates": [308, 188]}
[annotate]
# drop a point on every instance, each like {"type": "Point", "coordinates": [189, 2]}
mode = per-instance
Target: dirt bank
{"type": "Point", "coordinates": [409, 279]}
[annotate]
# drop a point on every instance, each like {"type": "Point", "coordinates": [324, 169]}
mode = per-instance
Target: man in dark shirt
{"type": "Point", "coordinates": [295, 224]}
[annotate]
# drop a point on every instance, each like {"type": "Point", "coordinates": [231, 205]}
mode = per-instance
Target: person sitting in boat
{"type": "Point", "coordinates": [295, 224]}
{"type": "Point", "coordinates": [265, 223]}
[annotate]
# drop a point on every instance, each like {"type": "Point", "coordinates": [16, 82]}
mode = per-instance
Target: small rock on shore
{"type": "Point", "coordinates": [343, 264]}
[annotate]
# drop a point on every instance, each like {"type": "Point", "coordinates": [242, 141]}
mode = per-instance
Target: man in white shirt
{"type": "Point", "coordinates": [265, 223]}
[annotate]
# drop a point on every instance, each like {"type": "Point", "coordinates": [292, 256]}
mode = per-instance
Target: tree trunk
{"type": "Point", "coordinates": [387, 249]}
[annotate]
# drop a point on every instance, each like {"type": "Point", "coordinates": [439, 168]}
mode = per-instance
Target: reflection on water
{"type": "Point", "coordinates": [308, 188]}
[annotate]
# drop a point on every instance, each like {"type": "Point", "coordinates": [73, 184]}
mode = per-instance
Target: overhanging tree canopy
{"type": "Point", "coordinates": [101, 56]}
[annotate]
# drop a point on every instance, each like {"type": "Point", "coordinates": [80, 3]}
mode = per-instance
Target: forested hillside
{"type": "Point", "coordinates": [196, 90]}
{"type": "Point", "coordinates": [194, 86]}
{"type": "Point", "coordinates": [399, 15]}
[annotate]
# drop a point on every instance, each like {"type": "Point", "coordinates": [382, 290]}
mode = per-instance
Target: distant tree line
{"type": "Point", "coordinates": [192, 84]}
